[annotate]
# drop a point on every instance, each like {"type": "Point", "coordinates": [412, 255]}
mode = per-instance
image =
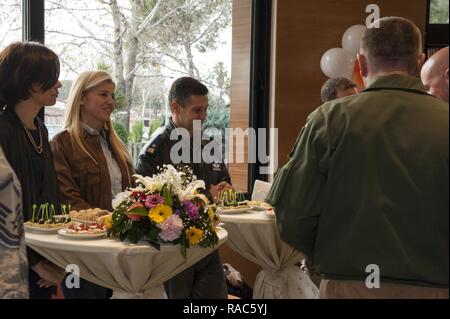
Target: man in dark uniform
{"type": "Point", "coordinates": [188, 100]}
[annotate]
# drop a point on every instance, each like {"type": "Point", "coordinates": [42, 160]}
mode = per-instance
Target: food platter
{"type": "Point", "coordinates": [233, 210]}
{"type": "Point", "coordinates": [77, 230]}
{"type": "Point", "coordinates": [42, 230]}
{"type": "Point", "coordinates": [78, 235]}
{"type": "Point", "coordinates": [49, 226]}
{"type": "Point", "coordinates": [259, 205]}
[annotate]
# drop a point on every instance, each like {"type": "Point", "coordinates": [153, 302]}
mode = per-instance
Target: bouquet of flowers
{"type": "Point", "coordinates": [167, 208]}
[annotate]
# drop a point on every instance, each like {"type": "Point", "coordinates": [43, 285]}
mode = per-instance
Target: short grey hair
{"type": "Point", "coordinates": [396, 44]}
{"type": "Point", "coordinates": [331, 88]}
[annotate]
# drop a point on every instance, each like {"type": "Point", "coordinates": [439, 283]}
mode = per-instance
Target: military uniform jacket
{"type": "Point", "coordinates": [367, 183]}
{"type": "Point", "coordinates": [157, 153]}
{"type": "Point", "coordinates": [13, 258]}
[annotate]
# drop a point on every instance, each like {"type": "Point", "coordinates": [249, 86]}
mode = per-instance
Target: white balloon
{"type": "Point", "coordinates": [352, 38]}
{"type": "Point", "coordinates": [338, 62]}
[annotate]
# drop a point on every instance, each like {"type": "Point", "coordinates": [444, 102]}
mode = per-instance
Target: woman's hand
{"type": "Point", "coordinates": [214, 190]}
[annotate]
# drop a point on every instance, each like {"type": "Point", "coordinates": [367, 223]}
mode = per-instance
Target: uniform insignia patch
{"type": "Point", "coordinates": [151, 149]}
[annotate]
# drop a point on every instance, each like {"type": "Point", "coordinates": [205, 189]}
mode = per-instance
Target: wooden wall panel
{"type": "Point", "coordinates": [240, 82]}
{"type": "Point", "coordinates": [305, 30]}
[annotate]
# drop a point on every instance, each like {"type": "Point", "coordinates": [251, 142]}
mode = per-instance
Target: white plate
{"type": "Point", "coordinates": [259, 205]}
{"type": "Point", "coordinates": [88, 222]}
{"type": "Point", "coordinates": [61, 216]}
{"type": "Point", "coordinates": [259, 208]}
{"type": "Point", "coordinates": [42, 230]}
{"type": "Point", "coordinates": [64, 232]}
{"type": "Point", "coordinates": [233, 210]}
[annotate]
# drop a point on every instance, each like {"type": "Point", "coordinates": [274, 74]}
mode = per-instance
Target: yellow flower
{"type": "Point", "coordinates": [107, 222]}
{"type": "Point", "coordinates": [160, 213]}
{"type": "Point", "coordinates": [212, 218]}
{"type": "Point", "coordinates": [194, 235]}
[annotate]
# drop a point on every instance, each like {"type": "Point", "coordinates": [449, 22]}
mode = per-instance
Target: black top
{"type": "Point", "coordinates": [36, 174]}
{"type": "Point", "coordinates": [37, 161]}
{"type": "Point", "coordinates": [157, 153]}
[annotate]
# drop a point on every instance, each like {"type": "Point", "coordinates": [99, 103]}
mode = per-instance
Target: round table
{"type": "Point", "coordinates": [254, 235]}
{"type": "Point", "coordinates": [130, 270]}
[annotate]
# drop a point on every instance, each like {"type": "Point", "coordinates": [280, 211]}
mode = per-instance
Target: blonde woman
{"type": "Point", "coordinates": [91, 162]}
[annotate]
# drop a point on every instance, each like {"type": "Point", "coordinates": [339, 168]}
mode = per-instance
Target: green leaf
{"type": "Point", "coordinates": [153, 234]}
{"type": "Point", "coordinates": [184, 245]}
{"type": "Point", "coordinates": [210, 240]}
{"type": "Point", "coordinates": [137, 132]}
{"type": "Point", "coordinates": [167, 197]}
{"type": "Point", "coordinates": [155, 244]}
{"type": "Point", "coordinates": [128, 226]}
{"type": "Point", "coordinates": [141, 211]}
{"type": "Point", "coordinates": [121, 131]}
{"type": "Point", "coordinates": [155, 124]}
{"type": "Point", "coordinates": [122, 236]}
{"type": "Point", "coordinates": [183, 251]}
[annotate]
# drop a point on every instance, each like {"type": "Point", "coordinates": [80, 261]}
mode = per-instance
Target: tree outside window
{"type": "Point", "coordinates": [10, 22]}
{"type": "Point", "coordinates": [439, 11]}
{"type": "Point", "coordinates": [145, 45]}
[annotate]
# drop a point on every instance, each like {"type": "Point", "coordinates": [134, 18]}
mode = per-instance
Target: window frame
{"type": "Point", "coordinates": [260, 58]}
{"type": "Point", "coordinates": [33, 16]}
{"type": "Point", "coordinates": [33, 27]}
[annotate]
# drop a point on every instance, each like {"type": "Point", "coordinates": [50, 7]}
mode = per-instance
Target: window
{"type": "Point", "coordinates": [145, 45]}
{"type": "Point", "coordinates": [437, 26]}
{"type": "Point", "coordinates": [10, 22]}
{"type": "Point", "coordinates": [439, 11]}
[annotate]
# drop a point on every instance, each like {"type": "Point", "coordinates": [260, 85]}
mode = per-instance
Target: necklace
{"type": "Point", "coordinates": [37, 148]}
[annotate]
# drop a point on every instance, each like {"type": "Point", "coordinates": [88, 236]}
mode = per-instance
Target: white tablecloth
{"type": "Point", "coordinates": [254, 236]}
{"type": "Point", "coordinates": [131, 271]}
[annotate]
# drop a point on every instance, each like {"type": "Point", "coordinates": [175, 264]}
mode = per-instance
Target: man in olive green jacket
{"type": "Point", "coordinates": [365, 192]}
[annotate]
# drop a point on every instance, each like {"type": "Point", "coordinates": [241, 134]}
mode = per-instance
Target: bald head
{"type": "Point", "coordinates": [435, 74]}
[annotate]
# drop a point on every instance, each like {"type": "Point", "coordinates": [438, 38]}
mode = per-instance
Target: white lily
{"type": "Point", "coordinates": [120, 198]}
{"type": "Point", "coordinates": [191, 189]}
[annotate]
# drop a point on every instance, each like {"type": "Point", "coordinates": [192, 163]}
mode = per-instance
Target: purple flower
{"type": "Point", "coordinates": [153, 200]}
{"type": "Point", "coordinates": [171, 228]}
{"type": "Point", "coordinates": [191, 209]}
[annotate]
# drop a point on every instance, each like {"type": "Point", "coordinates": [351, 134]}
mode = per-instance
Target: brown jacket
{"type": "Point", "coordinates": [84, 183]}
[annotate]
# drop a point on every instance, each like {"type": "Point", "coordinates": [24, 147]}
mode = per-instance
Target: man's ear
{"type": "Point", "coordinates": [421, 60]}
{"type": "Point", "coordinates": [175, 107]}
{"type": "Point", "coordinates": [446, 75]}
{"type": "Point", "coordinates": [363, 66]}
